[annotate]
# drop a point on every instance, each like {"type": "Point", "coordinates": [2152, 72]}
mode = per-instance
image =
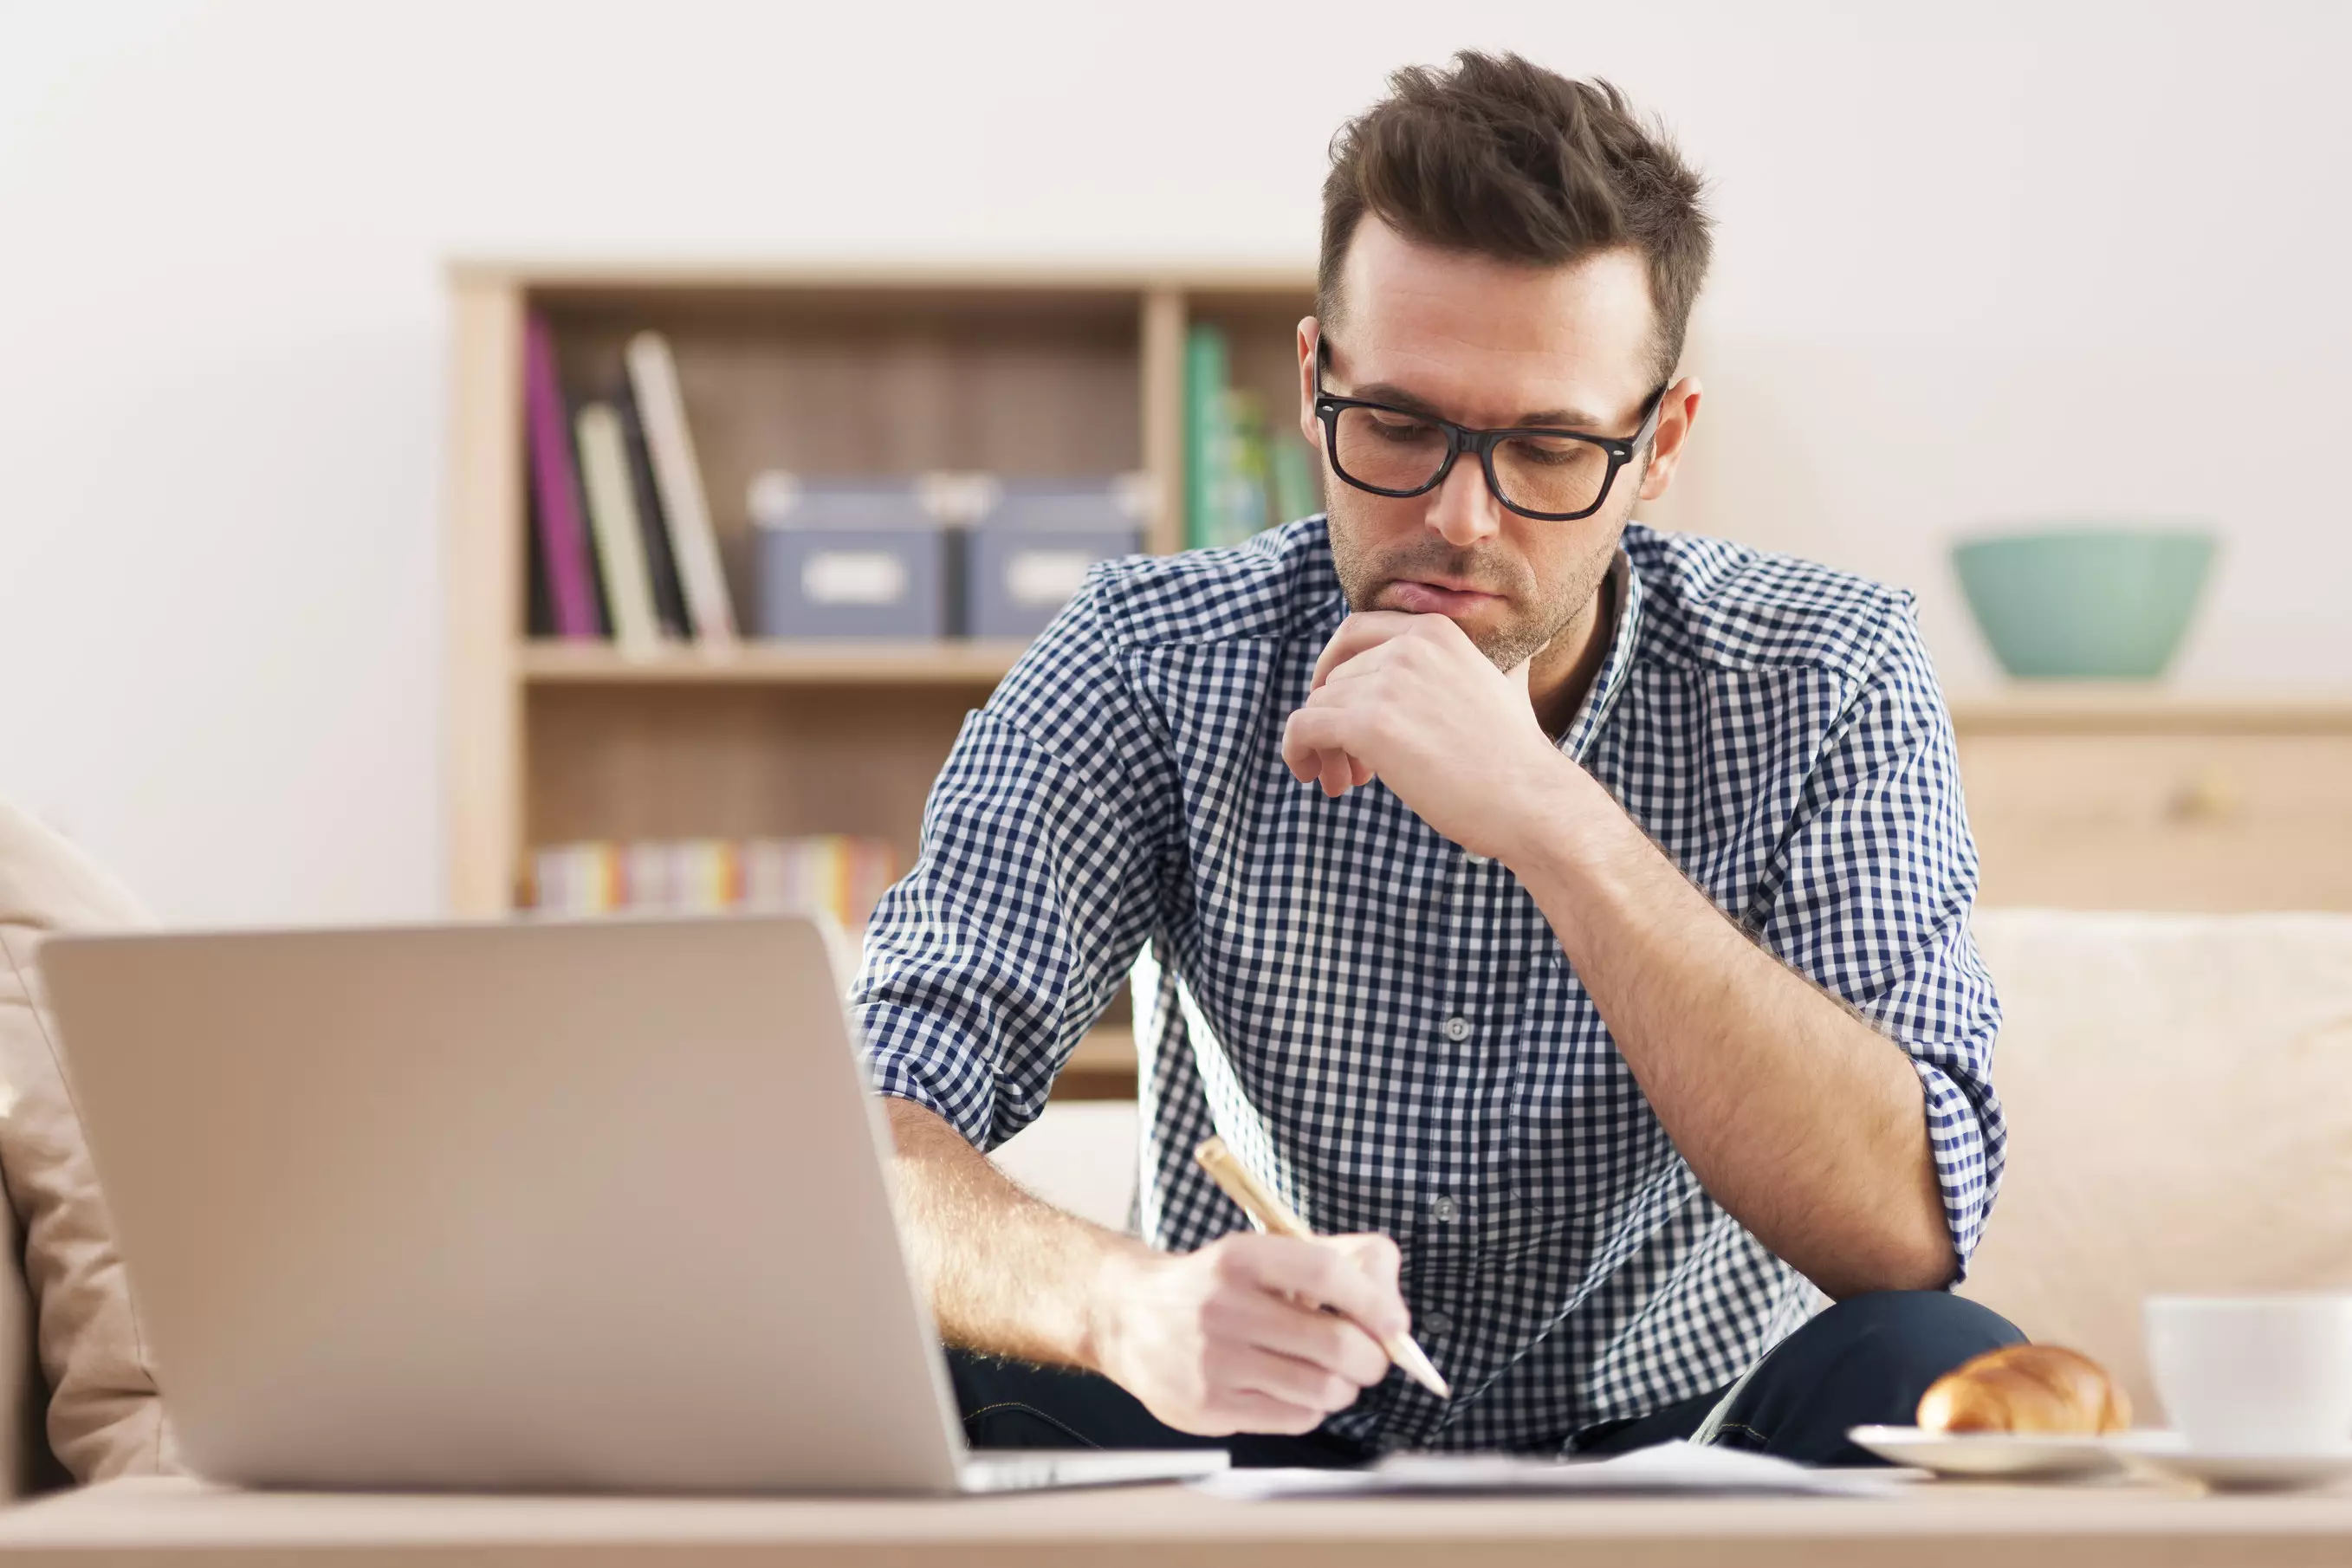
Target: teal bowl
{"type": "Point", "coordinates": [2085, 603]}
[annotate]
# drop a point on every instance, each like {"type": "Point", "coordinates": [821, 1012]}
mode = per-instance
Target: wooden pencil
{"type": "Point", "coordinates": [1277, 1218]}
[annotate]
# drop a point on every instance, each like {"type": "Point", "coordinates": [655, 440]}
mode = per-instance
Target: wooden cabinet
{"type": "Point", "coordinates": [2145, 801]}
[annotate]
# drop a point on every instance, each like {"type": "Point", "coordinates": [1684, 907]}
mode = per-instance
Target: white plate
{"type": "Point", "coordinates": [2165, 1454]}
{"type": "Point", "coordinates": [1987, 1455]}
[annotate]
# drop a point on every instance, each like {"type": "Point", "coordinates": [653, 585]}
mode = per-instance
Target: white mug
{"type": "Point", "coordinates": [2255, 1373]}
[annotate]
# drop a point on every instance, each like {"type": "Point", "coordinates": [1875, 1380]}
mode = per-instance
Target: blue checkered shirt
{"type": "Point", "coordinates": [1384, 1026]}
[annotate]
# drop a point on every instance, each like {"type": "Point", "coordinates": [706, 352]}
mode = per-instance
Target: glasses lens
{"type": "Point", "coordinates": [1385, 450]}
{"type": "Point", "coordinates": [1554, 474]}
{"type": "Point", "coordinates": [1388, 451]}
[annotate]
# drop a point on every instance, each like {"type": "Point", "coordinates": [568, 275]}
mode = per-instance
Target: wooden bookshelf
{"type": "Point", "coordinates": [828, 372]}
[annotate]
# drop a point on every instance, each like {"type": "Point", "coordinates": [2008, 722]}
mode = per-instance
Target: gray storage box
{"type": "Point", "coordinates": [851, 559]}
{"type": "Point", "coordinates": [1031, 549]}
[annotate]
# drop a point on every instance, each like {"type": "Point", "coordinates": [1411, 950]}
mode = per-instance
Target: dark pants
{"type": "Point", "coordinates": [1865, 1362]}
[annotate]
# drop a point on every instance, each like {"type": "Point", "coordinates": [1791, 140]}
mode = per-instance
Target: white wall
{"type": "Point", "coordinates": [1976, 262]}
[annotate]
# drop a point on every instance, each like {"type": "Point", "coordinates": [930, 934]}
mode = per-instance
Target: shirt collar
{"type": "Point", "coordinates": [1593, 711]}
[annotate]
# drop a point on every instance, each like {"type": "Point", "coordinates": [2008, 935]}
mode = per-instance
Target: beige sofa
{"type": "Point", "coordinates": [2180, 1091]}
{"type": "Point", "coordinates": [27, 1465]}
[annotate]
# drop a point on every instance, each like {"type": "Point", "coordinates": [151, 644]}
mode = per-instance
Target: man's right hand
{"type": "Point", "coordinates": [1234, 1338]}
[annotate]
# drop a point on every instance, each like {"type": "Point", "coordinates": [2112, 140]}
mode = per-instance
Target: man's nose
{"type": "Point", "coordinates": [1463, 509]}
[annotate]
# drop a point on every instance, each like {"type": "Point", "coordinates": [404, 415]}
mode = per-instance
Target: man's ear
{"type": "Point", "coordinates": [1678, 412]}
{"type": "Point", "coordinates": [1310, 334]}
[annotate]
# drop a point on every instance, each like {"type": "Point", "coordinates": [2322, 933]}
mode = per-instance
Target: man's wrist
{"type": "Point", "coordinates": [1108, 1291]}
{"type": "Point", "coordinates": [1552, 824]}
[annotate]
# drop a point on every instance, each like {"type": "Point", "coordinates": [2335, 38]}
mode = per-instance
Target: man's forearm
{"type": "Point", "coordinates": [1004, 1272]}
{"type": "Point", "coordinates": [1802, 1120]}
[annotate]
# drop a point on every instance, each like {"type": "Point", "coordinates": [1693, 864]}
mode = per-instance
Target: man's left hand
{"type": "Point", "coordinates": [1410, 700]}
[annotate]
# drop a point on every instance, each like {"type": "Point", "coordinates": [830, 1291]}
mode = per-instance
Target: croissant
{"type": "Point", "coordinates": [2045, 1389]}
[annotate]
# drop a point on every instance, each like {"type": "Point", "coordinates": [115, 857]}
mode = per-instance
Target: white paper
{"type": "Point", "coordinates": [1669, 1467]}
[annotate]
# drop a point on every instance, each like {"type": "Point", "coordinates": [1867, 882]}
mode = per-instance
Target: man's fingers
{"type": "Point", "coordinates": [1374, 1253]}
{"type": "Point", "coordinates": [1322, 1340]}
{"type": "Point", "coordinates": [1252, 1369]}
{"type": "Point", "coordinates": [1325, 743]}
{"type": "Point", "coordinates": [1311, 735]}
{"type": "Point", "coordinates": [1247, 1410]}
{"type": "Point", "coordinates": [1338, 774]}
{"type": "Point", "coordinates": [1336, 770]}
{"type": "Point", "coordinates": [1340, 1283]}
{"type": "Point", "coordinates": [1365, 629]}
{"type": "Point", "coordinates": [1312, 731]}
{"type": "Point", "coordinates": [1366, 662]}
{"type": "Point", "coordinates": [1323, 1275]}
{"type": "Point", "coordinates": [1305, 762]}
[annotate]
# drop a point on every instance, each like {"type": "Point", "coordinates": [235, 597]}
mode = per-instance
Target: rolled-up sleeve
{"type": "Point", "coordinates": [1034, 890]}
{"type": "Point", "coordinates": [1870, 895]}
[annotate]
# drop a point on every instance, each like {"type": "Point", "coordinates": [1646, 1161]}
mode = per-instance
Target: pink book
{"type": "Point", "coordinates": [555, 486]}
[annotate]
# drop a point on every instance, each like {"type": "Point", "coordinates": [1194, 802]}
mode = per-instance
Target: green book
{"type": "Point", "coordinates": [1246, 479]}
{"type": "Point", "coordinates": [1206, 432]}
{"type": "Point", "coordinates": [1293, 466]}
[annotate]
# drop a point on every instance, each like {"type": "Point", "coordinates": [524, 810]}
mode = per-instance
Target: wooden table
{"type": "Point", "coordinates": [169, 1522]}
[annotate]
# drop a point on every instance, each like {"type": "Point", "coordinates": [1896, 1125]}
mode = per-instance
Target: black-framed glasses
{"type": "Point", "coordinates": [1551, 476]}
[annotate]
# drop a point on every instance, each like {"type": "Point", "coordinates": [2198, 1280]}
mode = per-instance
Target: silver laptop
{"type": "Point", "coordinates": [592, 1206]}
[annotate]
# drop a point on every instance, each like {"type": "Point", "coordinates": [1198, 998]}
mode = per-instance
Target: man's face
{"type": "Point", "coordinates": [1488, 344]}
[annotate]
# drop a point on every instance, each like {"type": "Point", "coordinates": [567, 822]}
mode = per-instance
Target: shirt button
{"type": "Point", "coordinates": [1457, 1029]}
{"type": "Point", "coordinates": [1475, 859]}
{"type": "Point", "coordinates": [1437, 1325]}
{"type": "Point", "coordinates": [1442, 1210]}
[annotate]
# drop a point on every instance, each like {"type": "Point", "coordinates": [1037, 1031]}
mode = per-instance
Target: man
{"type": "Point", "coordinates": [1570, 919]}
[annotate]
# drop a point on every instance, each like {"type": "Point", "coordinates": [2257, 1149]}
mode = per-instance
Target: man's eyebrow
{"type": "Point", "coordinates": [1547, 418]}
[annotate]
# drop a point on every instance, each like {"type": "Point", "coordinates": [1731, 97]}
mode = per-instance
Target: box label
{"type": "Point", "coordinates": [854, 577]}
{"type": "Point", "coordinates": [1042, 579]}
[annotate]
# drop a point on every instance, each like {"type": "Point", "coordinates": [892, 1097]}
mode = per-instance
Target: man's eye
{"type": "Point", "coordinates": [1397, 429]}
{"type": "Point", "coordinates": [1551, 453]}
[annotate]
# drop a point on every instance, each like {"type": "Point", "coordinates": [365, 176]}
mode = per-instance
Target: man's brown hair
{"type": "Point", "coordinates": [1501, 158]}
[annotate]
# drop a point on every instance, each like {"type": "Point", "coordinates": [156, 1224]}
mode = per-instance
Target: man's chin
{"type": "Point", "coordinates": [1485, 618]}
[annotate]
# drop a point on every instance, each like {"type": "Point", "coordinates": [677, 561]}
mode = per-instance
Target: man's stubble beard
{"type": "Point", "coordinates": [1536, 620]}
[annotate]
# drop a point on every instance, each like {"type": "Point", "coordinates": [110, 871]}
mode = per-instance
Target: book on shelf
{"type": "Point", "coordinates": [1245, 493]}
{"type": "Point", "coordinates": [556, 507]}
{"type": "Point", "coordinates": [539, 610]}
{"type": "Point", "coordinates": [677, 478]}
{"type": "Point", "coordinates": [841, 875]}
{"type": "Point", "coordinates": [1244, 471]}
{"type": "Point", "coordinates": [1292, 466]}
{"type": "Point", "coordinates": [613, 524]}
{"type": "Point", "coordinates": [622, 544]}
{"type": "Point", "coordinates": [661, 559]}
{"type": "Point", "coordinates": [1205, 377]}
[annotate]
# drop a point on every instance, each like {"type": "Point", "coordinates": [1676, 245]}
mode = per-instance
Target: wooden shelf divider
{"type": "Point", "coordinates": [947, 662]}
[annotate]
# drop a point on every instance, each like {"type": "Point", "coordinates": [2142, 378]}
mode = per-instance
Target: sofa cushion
{"type": "Point", "coordinates": [2179, 1090]}
{"type": "Point", "coordinates": [104, 1418]}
